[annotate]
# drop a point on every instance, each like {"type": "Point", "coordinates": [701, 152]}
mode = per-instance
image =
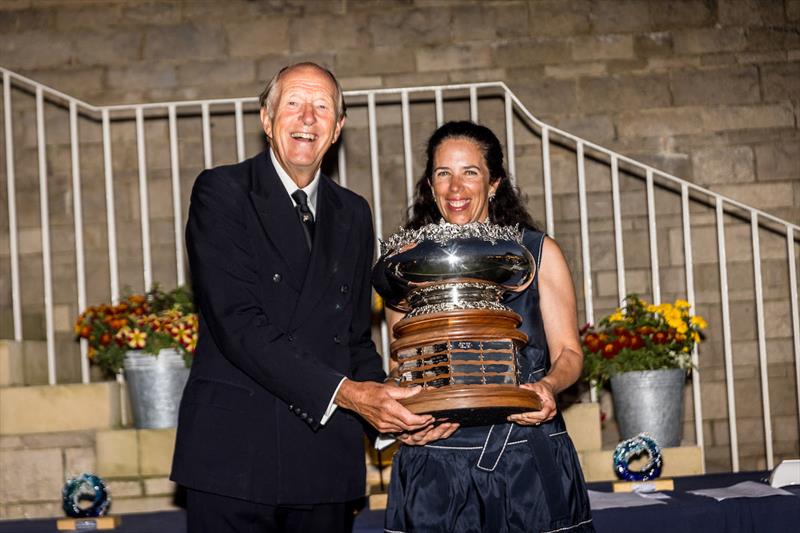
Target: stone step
{"type": "Point", "coordinates": [54, 408]}
{"type": "Point", "coordinates": [135, 465]}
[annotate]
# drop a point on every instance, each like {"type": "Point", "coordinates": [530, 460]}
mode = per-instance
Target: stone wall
{"type": "Point", "coordinates": [706, 90]}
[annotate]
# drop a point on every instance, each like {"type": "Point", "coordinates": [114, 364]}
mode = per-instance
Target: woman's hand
{"type": "Point", "coordinates": [547, 395]}
{"type": "Point", "coordinates": [428, 434]}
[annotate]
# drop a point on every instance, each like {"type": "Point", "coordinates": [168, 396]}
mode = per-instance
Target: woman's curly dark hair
{"type": "Point", "coordinates": [506, 209]}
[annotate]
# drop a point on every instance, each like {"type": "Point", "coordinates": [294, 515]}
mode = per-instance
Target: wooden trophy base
{"type": "Point", "coordinates": [88, 523]}
{"type": "Point", "coordinates": [473, 405]}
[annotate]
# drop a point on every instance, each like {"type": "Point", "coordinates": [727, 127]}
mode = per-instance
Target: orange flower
{"type": "Point", "coordinates": [137, 338]}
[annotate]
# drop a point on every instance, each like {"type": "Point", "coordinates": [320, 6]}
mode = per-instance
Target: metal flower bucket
{"type": "Point", "coordinates": [650, 401]}
{"type": "Point", "coordinates": [155, 386]}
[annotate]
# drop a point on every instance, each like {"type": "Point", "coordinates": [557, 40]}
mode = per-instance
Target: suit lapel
{"type": "Point", "coordinates": [278, 219]}
{"type": "Point", "coordinates": [331, 234]}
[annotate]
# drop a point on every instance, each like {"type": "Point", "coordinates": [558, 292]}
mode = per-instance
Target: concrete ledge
{"type": "Point", "coordinates": [54, 408]}
{"type": "Point", "coordinates": [679, 461]}
{"type": "Point", "coordinates": [583, 426]}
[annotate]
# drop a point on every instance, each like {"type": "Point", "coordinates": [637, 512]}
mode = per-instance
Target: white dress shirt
{"type": "Point", "coordinates": [311, 192]}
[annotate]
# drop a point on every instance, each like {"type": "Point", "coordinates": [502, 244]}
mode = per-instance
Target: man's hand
{"type": "Point", "coordinates": [428, 434]}
{"type": "Point", "coordinates": [378, 405]}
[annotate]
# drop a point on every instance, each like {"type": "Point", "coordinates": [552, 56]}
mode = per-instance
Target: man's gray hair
{"type": "Point", "coordinates": [267, 97]}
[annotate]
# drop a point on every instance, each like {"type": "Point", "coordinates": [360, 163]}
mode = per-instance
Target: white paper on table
{"type": "Point", "coordinates": [608, 500]}
{"type": "Point", "coordinates": [745, 489]}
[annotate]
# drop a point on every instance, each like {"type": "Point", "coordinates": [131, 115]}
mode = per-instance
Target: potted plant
{"type": "Point", "coordinates": [645, 352]}
{"type": "Point", "coordinates": [151, 339]}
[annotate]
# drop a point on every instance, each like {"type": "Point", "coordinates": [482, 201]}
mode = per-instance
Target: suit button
{"type": "Point", "coordinates": [290, 337]}
{"type": "Point", "coordinates": [310, 420]}
{"type": "Point", "coordinates": [297, 410]}
{"type": "Point", "coordinates": [291, 407]}
{"type": "Point", "coordinates": [336, 339]}
{"type": "Point", "coordinates": [344, 289]}
{"type": "Point", "coordinates": [304, 416]}
{"type": "Point", "coordinates": [276, 277]}
{"type": "Point", "coordinates": [338, 307]}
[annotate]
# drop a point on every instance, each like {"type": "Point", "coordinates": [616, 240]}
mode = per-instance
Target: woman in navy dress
{"type": "Point", "coordinates": [524, 475]}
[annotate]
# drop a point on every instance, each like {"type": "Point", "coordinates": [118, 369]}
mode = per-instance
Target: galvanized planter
{"type": "Point", "coordinates": [155, 386]}
{"type": "Point", "coordinates": [650, 401]}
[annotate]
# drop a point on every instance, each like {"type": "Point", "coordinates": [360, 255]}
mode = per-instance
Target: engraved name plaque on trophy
{"type": "Point", "coordinates": [458, 341]}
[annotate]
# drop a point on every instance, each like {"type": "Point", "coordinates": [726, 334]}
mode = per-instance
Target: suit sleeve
{"type": "Point", "coordinates": [365, 364]}
{"type": "Point", "coordinates": [226, 284]}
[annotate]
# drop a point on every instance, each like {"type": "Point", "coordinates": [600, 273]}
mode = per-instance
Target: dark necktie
{"type": "Point", "coordinates": [305, 215]}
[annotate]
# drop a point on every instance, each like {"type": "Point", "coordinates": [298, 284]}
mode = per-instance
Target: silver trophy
{"type": "Point", "coordinates": [458, 341]}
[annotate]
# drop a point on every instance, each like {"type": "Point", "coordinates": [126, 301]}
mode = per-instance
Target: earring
{"type": "Point", "coordinates": [491, 198]}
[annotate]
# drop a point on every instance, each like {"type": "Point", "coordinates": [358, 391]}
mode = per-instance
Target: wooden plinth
{"type": "Point", "coordinates": [473, 405]}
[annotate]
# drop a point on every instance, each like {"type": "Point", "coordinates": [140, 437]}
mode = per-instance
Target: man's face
{"type": "Point", "coordinates": [304, 123]}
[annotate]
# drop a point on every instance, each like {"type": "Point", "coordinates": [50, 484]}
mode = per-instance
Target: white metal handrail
{"type": "Point", "coordinates": [472, 93]}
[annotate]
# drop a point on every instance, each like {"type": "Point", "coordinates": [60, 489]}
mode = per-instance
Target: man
{"type": "Point", "coordinates": [267, 436]}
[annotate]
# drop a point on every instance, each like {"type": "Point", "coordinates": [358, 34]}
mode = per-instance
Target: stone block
{"type": "Point", "coordinates": [778, 194]}
{"type": "Point", "coordinates": [680, 14]}
{"type": "Point", "coordinates": [659, 122]}
{"type": "Point", "coordinates": [777, 160]}
{"type": "Point", "coordinates": [613, 16]}
{"type": "Point", "coordinates": [30, 409]}
{"type": "Point", "coordinates": [157, 486]}
{"type": "Point", "coordinates": [779, 81]}
{"type": "Point", "coordinates": [35, 49]}
{"type": "Point", "coordinates": [108, 47]}
{"type": "Point", "coordinates": [749, 13]}
{"type": "Point", "coordinates": [378, 61]}
{"type": "Point", "coordinates": [524, 53]}
{"type": "Point", "coordinates": [655, 44]}
{"type": "Point", "coordinates": [453, 58]}
{"type": "Point", "coordinates": [546, 96]}
{"type": "Point", "coordinates": [68, 439]}
{"type": "Point", "coordinates": [715, 86]}
{"type": "Point", "coordinates": [554, 17]}
{"type": "Point", "coordinates": [11, 363]}
{"type": "Point", "coordinates": [723, 164]}
{"type": "Point", "coordinates": [576, 70]}
{"type": "Point", "coordinates": [117, 453]}
{"type": "Point", "coordinates": [602, 47]}
{"type": "Point", "coordinates": [771, 38]}
{"type": "Point", "coordinates": [219, 73]}
{"type": "Point", "coordinates": [311, 33]}
{"type": "Point", "coordinates": [253, 38]}
{"type": "Point", "coordinates": [583, 424]}
{"type": "Point", "coordinates": [78, 460]}
{"type": "Point", "coordinates": [623, 92]}
{"type": "Point", "coordinates": [141, 76]}
{"type": "Point", "coordinates": [709, 40]}
{"type": "Point", "coordinates": [155, 451]}
{"type": "Point", "coordinates": [29, 511]}
{"type": "Point", "coordinates": [147, 504]}
{"type": "Point", "coordinates": [42, 470]}
{"type": "Point", "coordinates": [395, 28]}
{"type": "Point", "coordinates": [183, 40]}
{"type": "Point", "coordinates": [485, 21]}
{"type": "Point", "coordinates": [120, 488]}
{"type": "Point", "coordinates": [80, 82]}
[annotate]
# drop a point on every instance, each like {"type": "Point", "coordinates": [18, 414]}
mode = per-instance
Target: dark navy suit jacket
{"type": "Point", "coordinates": [278, 331]}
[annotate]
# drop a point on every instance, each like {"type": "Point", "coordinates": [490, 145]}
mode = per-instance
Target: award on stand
{"type": "Point", "coordinates": [458, 341]}
{"type": "Point", "coordinates": [86, 500]}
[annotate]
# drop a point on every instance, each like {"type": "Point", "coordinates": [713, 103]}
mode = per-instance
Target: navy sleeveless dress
{"type": "Point", "coordinates": [499, 479]}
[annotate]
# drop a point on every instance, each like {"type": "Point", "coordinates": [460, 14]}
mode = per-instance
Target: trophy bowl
{"type": "Point", "coordinates": [457, 340]}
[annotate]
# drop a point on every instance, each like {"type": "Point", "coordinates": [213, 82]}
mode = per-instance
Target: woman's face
{"type": "Point", "coordinates": [460, 182]}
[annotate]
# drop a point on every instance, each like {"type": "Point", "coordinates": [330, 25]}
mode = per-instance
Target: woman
{"type": "Point", "coordinates": [523, 475]}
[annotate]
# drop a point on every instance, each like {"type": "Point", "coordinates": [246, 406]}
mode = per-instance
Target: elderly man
{"type": "Point", "coordinates": [268, 436]}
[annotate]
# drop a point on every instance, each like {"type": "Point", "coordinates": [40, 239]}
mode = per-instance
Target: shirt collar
{"type": "Point", "coordinates": [291, 186]}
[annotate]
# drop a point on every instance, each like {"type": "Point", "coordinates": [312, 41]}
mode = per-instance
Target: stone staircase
{"type": "Point", "coordinates": [51, 433]}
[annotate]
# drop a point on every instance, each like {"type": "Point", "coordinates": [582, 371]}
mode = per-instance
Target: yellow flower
{"type": "Point", "coordinates": [616, 317]}
{"type": "Point", "coordinates": [695, 336]}
{"type": "Point", "coordinates": [698, 321]}
{"type": "Point", "coordinates": [652, 308]}
{"type": "Point", "coordinates": [682, 327]}
{"type": "Point", "coordinates": [682, 304]}
{"type": "Point", "coordinates": [137, 338]}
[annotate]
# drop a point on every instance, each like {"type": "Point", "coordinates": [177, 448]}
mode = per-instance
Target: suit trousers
{"type": "Point", "coordinates": [213, 513]}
